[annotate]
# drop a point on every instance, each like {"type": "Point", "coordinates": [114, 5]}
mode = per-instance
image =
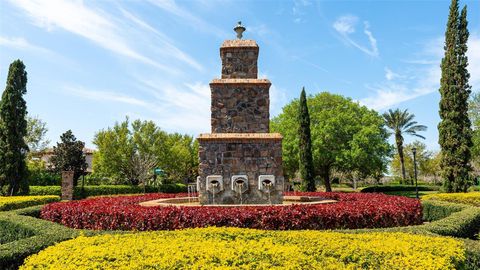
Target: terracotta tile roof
{"type": "Point", "coordinates": [239, 43]}
{"type": "Point", "coordinates": [239, 81]}
{"type": "Point", "coordinates": [241, 137]}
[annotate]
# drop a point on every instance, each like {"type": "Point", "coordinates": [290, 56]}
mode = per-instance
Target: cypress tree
{"type": "Point", "coordinates": [305, 147]}
{"type": "Point", "coordinates": [455, 134]}
{"type": "Point", "coordinates": [13, 128]}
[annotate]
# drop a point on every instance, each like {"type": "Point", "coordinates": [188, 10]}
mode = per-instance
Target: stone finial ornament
{"type": "Point", "coordinates": [239, 29]}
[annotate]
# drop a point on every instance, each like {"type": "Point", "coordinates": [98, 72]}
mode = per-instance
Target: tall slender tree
{"type": "Point", "coordinates": [402, 122]}
{"type": "Point", "coordinates": [455, 133]}
{"type": "Point", "coordinates": [13, 128]}
{"type": "Point", "coordinates": [305, 146]}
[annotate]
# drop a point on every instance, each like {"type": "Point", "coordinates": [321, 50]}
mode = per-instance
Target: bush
{"type": "Point", "coordinates": [472, 198]}
{"type": "Point", "coordinates": [436, 210]}
{"type": "Point", "coordinates": [354, 210]}
{"type": "Point", "coordinates": [42, 234]}
{"type": "Point", "coordinates": [107, 190]}
{"type": "Point", "coordinates": [38, 175]}
{"type": "Point", "coordinates": [16, 202]}
{"type": "Point", "coordinates": [10, 232]}
{"type": "Point", "coordinates": [230, 248]}
{"type": "Point", "coordinates": [391, 188]}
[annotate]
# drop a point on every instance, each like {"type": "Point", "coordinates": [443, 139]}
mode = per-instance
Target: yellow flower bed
{"type": "Point", "coordinates": [16, 202]}
{"type": "Point", "coordinates": [234, 248]}
{"type": "Point", "coordinates": [472, 198]}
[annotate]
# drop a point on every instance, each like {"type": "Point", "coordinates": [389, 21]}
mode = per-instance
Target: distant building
{"type": "Point", "coordinates": [47, 154]}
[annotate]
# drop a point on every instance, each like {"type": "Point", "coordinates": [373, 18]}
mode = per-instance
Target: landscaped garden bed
{"type": "Point", "coordinates": [233, 248]}
{"type": "Point", "coordinates": [471, 198]}
{"type": "Point", "coordinates": [352, 211]}
{"type": "Point", "coordinates": [16, 202]}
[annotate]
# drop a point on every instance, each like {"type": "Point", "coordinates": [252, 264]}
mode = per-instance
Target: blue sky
{"type": "Point", "coordinates": [91, 63]}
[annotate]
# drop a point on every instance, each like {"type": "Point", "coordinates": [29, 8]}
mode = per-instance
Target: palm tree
{"type": "Point", "coordinates": [402, 122]}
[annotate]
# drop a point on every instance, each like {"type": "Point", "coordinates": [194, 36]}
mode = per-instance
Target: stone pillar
{"type": "Point", "coordinates": [67, 185]}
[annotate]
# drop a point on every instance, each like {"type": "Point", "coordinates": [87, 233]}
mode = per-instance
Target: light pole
{"type": "Point", "coordinates": [414, 150]}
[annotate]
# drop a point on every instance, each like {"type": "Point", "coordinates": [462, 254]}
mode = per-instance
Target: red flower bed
{"type": "Point", "coordinates": [352, 211]}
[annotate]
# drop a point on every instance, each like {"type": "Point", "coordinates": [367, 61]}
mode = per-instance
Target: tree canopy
{"type": "Point", "coordinates": [13, 128]}
{"type": "Point", "coordinates": [346, 137]}
{"type": "Point", "coordinates": [128, 153]}
{"type": "Point", "coordinates": [305, 146]}
{"type": "Point", "coordinates": [400, 123]}
{"type": "Point", "coordinates": [68, 156]}
{"type": "Point", "coordinates": [455, 134]}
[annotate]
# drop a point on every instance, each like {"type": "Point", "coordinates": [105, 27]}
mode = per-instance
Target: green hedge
{"type": "Point", "coordinates": [44, 234]}
{"type": "Point", "coordinates": [436, 210]}
{"type": "Point", "coordinates": [10, 232]}
{"type": "Point", "coordinates": [389, 188]}
{"type": "Point", "coordinates": [88, 191]}
{"type": "Point", "coordinates": [17, 202]}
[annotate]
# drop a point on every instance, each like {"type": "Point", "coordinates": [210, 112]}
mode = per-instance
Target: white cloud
{"type": "Point", "coordinates": [75, 17]}
{"type": "Point", "coordinates": [297, 10]}
{"type": "Point", "coordinates": [345, 26]}
{"type": "Point", "coordinates": [390, 75]}
{"type": "Point", "coordinates": [421, 80]}
{"type": "Point", "coordinates": [168, 47]}
{"type": "Point", "coordinates": [23, 44]}
{"type": "Point", "coordinates": [171, 7]}
{"type": "Point", "coordinates": [107, 96]}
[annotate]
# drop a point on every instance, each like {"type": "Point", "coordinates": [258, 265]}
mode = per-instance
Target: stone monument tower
{"type": "Point", "coordinates": [240, 161]}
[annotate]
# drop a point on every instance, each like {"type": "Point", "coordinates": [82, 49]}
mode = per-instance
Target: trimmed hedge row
{"type": "Point", "coordinates": [233, 248]}
{"type": "Point", "coordinates": [47, 233]}
{"type": "Point", "coordinates": [389, 188]}
{"type": "Point", "coordinates": [43, 234]}
{"type": "Point", "coordinates": [89, 191]}
{"type": "Point", "coordinates": [352, 211]}
{"type": "Point", "coordinates": [471, 198]}
{"type": "Point", "coordinates": [16, 202]}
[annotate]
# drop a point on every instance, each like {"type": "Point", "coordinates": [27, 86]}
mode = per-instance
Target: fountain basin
{"type": "Point", "coordinates": [194, 201]}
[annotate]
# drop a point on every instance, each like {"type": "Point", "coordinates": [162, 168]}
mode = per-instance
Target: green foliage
{"type": "Point", "coordinates": [129, 153]}
{"type": "Point", "coordinates": [436, 210]}
{"type": "Point", "coordinates": [305, 147]}
{"type": "Point", "coordinates": [108, 190]}
{"type": "Point", "coordinates": [428, 163]}
{"type": "Point", "coordinates": [39, 176]}
{"type": "Point", "coordinates": [389, 188]}
{"type": "Point", "coordinates": [36, 132]}
{"type": "Point", "coordinates": [13, 128]}
{"type": "Point", "coordinates": [402, 122]}
{"type": "Point", "coordinates": [455, 134]}
{"type": "Point", "coordinates": [472, 254]}
{"type": "Point", "coordinates": [68, 156]}
{"type": "Point", "coordinates": [346, 137]}
{"type": "Point", "coordinates": [10, 232]}
{"type": "Point", "coordinates": [44, 234]}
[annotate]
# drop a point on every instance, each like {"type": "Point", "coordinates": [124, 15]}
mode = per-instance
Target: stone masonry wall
{"type": "Point", "coordinates": [239, 59]}
{"type": "Point", "coordinates": [251, 158]}
{"type": "Point", "coordinates": [240, 105]}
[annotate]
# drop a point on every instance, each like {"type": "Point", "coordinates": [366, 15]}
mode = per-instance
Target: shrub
{"type": "Point", "coordinates": [15, 202]}
{"type": "Point", "coordinates": [354, 210]}
{"type": "Point", "coordinates": [10, 232]}
{"type": "Point", "coordinates": [436, 210]}
{"type": "Point", "coordinates": [42, 234]}
{"type": "Point", "coordinates": [391, 188]}
{"type": "Point", "coordinates": [107, 190]}
{"type": "Point", "coordinates": [472, 198]}
{"type": "Point", "coordinates": [231, 248]}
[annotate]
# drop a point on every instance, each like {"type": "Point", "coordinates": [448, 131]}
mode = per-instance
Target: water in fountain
{"type": "Point", "coordinates": [267, 184]}
{"type": "Point", "coordinates": [214, 184]}
{"type": "Point", "coordinates": [239, 189]}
